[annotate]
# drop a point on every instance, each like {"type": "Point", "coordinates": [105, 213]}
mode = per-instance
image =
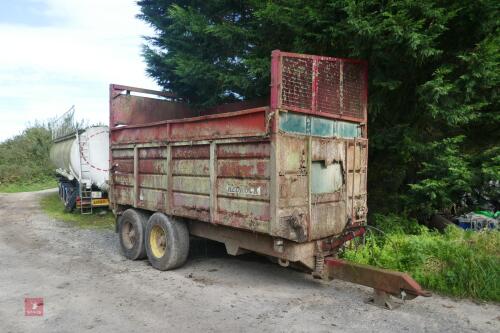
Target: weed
{"type": "Point", "coordinates": [101, 219]}
{"type": "Point", "coordinates": [457, 262]}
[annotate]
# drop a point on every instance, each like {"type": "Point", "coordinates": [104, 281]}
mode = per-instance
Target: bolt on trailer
{"type": "Point", "coordinates": [286, 179]}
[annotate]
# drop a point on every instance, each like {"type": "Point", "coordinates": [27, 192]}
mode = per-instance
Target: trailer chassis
{"type": "Point", "coordinates": [319, 258]}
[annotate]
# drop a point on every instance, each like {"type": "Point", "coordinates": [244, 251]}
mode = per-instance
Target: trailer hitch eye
{"type": "Point", "coordinates": [283, 262]}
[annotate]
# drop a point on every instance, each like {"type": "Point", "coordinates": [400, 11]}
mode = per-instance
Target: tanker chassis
{"type": "Point", "coordinates": [285, 179]}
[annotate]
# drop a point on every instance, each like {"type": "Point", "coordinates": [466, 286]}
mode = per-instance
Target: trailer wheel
{"type": "Point", "coordinates": [70, 203]}
{"type": "Point", "coordinates": [167, 242]}
{"type": "Point", "coordinates": [131, 230]}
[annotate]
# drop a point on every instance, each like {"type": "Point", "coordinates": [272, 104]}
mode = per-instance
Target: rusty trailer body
{"type": "Point", "coordinates": [286, 178]}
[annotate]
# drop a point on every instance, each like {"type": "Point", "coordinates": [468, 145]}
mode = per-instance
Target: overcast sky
{"type": "Point", "coordinates": [58, 53]}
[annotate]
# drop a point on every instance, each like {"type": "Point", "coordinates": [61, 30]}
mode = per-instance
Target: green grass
{"type": "Point", "coordinates": [28, 187]}
{"type": "Point", "coordinates": [53, 207]}
{"type": "Point", "coordinates": [456, 263]}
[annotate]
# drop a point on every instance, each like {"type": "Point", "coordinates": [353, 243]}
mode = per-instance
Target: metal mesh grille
{"type": "Point", "coordinates": [353, 90]}
{"type": "Point", "coordinates": [296, 82]}
{"type": "Point", "coordinates": [324, 85]}
{"type": "Point", "coordinates": [329, 98]}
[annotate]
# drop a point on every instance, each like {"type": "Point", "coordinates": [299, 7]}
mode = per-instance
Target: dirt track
{"type": "Point", "coordinates": [87, 285]}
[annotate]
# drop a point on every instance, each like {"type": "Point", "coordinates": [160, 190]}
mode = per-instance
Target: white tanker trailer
{"type": "Point", "coordinates": [82, 162]}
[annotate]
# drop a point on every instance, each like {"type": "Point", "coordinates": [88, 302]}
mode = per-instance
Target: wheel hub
{"type": "Point", "coordinates": [128, 235]}
{"type": "Point", "coordinates": [158, 241]}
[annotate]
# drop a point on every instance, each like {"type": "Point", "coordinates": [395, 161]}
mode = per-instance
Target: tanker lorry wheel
{"type": "Point", "coordinates": [167, 242]}
{"type": "Point", "coordinates": [70, 203]}
{"type": "Point", "coordinates": [131, 230]}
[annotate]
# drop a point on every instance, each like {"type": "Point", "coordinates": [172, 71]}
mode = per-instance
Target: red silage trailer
{"type": "Point", "coordinates": [286, 179]}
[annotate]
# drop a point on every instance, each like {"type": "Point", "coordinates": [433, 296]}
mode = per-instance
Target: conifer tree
{"type": "Point", "coordinates": [433, 69]}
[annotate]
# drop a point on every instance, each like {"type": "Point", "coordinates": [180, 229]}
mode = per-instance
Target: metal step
{"type": "Point", "coordinates": [86, 206]}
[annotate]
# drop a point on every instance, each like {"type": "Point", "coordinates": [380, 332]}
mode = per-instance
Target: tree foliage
{"type": "Point", "coordinates": [433, 71]}
{"type": "Point", "coordinates": [25, 157]}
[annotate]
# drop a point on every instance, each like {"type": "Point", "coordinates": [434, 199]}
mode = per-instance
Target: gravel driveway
{"type": "Point", "coordinates": [87, 285]}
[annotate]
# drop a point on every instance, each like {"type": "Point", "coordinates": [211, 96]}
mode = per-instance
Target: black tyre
{"type": "Point", "coordinates": [70, 203]}
{"type": "Point", "coordinates": [167, 242]}
{"type": "Point", "coordinates": [64, 192]}
{"type": "Point", "coordinates": [131, 230]}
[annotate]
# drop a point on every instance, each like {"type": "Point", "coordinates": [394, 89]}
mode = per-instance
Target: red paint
{"type": "Point", "coordinates": [244, 150]}
{"type": "Point", "coordinates": [243, 169]}
{"type": "Point", "coordinates": [235, 124]}
{"type": "Point", "coordinates": [149, 167]}
{"type": "Point", "coordinates": [338, 242]}
{"type": "Point", "coordinates": [312, 84]}
{"type": "Point", "coordinates": [153, 153]}
{"type": "Point", "coordinates": [244, 134]}
{"type": "Point", "coordinates": [123, 165]}
{"type": "Point", "coordinates": [191, 152]}
{"type": "Point", "coordinates": [380, 279]}
{"type": "Point", "coordinates": [33, 306]}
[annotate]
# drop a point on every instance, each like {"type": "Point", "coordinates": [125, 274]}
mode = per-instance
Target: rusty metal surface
{"type": "Point", "coordinates": [395, 283]}
{"type": "Point", "coordinates": [297, 80]}
{"type": "Point", "coordinates": [320, 190]}
{"type": "Point", "coordinates": [237, 167]}
{"type": "Point", "coordinates": [237, 240]}
{"type": "Point", "coordinates": [242, 184]}
{"type": "Point", "coordinates": [245, 123]}
{"type": "Point", "coordinates": [336, 242]}
{"type": "Point", "coordinates": [127, 109]}
{"type": "Point", "coordinates": [357, 168]}
{"type": "Point", "coordinates": [325, 86]}
{"type": "Point", "coordinates": [183, 186]}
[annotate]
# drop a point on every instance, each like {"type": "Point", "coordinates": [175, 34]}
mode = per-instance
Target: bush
{"type": "Point", "coordinates": [456, 262]}
{"type": "Point", "coordinates": [24, 161]}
